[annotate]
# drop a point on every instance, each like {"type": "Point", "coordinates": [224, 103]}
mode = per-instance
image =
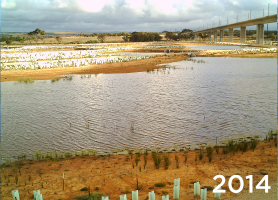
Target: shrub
{"type": "Point", "coordinates": [254, 144]}
{"type": "Point", "coordinates": [201, 155]}
{"type": "Point", "coordinates": [156, 159]}
{"type": "Point", "coordinates": [92, 41]}
{"type": "Point", "coordinates": [137, 160]}
{"type": "Point", "coordinates": [209, 151]}
{"type": "Point", "coordinates": [166, 161]}
{"type": "Point", "coordinates": [160, 184]}
{"type": "Point", "coordinates": [93, 196]}
{"type": "Point", "coordinates": [145, 159]}
{"type": "Point", "coordinates": [127, 192]}
{"type": "Point", "coordinates": [216, 149]}
{"type": "Point", "coordinates": [84, 189]}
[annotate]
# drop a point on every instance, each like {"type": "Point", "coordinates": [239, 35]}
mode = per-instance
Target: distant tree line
{"type": "Point", "coordinates": [143, 37]}
{"type": "Point", "coordinates": [33, 35]}
{"type": "Point", "coordinates": [105, 34]}
{"type": "Point", "coordinates": [183, 35]}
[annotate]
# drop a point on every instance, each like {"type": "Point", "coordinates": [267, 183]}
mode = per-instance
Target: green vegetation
{"type": "Point", "coordinates": [137, 159]}
{"type": "Point", "coordinates": [177, 161]}
{"type": "Point", "coordinates": [166, 161]}
{"type": "Point", "coordinates": [101, 37]}
{"type": "Point", "coordinates": [164, 192]}
{"type": "Point", "coordinates": [93, 196]}
{"type": "Point", "coordinates": [84, 189]}
{"type": "Point", "coordinates": [201, 155]}
{"type": "Point", "coordinates": [25, 80]}
{"type": "Point", "coordinates": [59, 39]}
{"type": "Point", "coordinates": [156, 159]}
{"type": "Point", "coordinates": [160, 184]}
{"type": "Point", "coordinates": [144, 37]}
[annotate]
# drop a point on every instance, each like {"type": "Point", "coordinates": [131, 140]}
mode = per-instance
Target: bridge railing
{"type": "Point", "coordinates": [239, 17]}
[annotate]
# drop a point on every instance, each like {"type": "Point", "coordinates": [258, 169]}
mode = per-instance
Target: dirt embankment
{"type": "Point", "coordinates": [224, 53]}
{"type": "Point", "coordinates": [120, 67]}
{"type": "Point", "coordinates": [116, 174]}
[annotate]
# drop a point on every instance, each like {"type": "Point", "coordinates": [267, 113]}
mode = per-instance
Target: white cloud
{"type": "Point", "coordinates": [8, 5]}
{"type": "Point", "coordinates": [124, 15]}
{"type": "Point", "coordinates": [93, 6]}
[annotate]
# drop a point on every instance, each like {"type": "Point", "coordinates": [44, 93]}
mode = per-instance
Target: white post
{"type": "Point", "coordinates": [39, 197]}
{"type": "Point", "coordinates": [177, 181]}
{"type": "Point", "coordinates": [36, 193]}
{"type": "Point", "coordinates": [166, 197]}
{"type": "Point", "coordinates": [151, 195]}
{"type": "Point", "coordinates": [217, 195]}
{"type": "Point", "coordinates": [123, 197]}
{"type": "Point", "coordinates": [197, 189]}
{"type": "Point", "coordinates": [135, 195]}
{"type": "Point", "coordinates": [15, 194]}
{"type": "Point", "coordinates": [105, 198]}
{"type": "Point", "coordinates": [204, 194]}
{"type": "Point", "coordinates": [176, 193]}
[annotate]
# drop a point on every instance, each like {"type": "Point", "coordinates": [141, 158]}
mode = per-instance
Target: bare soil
{"type": "Point", "coordinates": [115, 175]}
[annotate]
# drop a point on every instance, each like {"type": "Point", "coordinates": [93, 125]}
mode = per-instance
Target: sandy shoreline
{"type": "Point", "coordinates": [116, 174]}
{"type": "Point", "coordinates": [123, 67]}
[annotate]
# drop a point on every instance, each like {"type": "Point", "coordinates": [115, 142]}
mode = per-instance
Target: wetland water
{"type": "Point", "coordinates": [186, 104]}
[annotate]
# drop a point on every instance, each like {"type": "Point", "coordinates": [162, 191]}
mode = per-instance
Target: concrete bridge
{"type": "Point", "coordinates": [242, 25]}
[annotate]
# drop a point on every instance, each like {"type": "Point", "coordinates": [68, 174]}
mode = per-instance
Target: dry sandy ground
{"type": "Point", "coordinates": [114, 175]}
{"type": "Point", "coordinates": [219, 53]}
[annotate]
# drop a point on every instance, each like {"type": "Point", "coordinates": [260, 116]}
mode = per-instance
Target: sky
{"type": "Point", "coordinates": [128, 15]}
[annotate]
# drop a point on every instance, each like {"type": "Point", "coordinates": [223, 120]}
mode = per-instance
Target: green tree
{"type": "Point", "coordinates": [8, 42]}
{"type": "Point", "coordinates": [272, 36]}
{"type": "Point", "coordinates": [101, 37]}
{"type": "Point", "coordinates": [59, 39]}
{"type": "Point", "coordinates": [36, 34]}
{"type": "Point", "coordinates": [125, 38]}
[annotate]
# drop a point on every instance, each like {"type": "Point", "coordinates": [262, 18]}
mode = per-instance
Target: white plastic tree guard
{"type": "Point", "coordinates": [197, 189]}
{"type": "Point", "coordinates": [217, 195]}
{"type": "Point", "coordinates": [166, 197]}
{"type": "Point", "coordinates": [39, 197]}
{"type": "Point", "coordinates": [15, 194]}
{"type": "Point", "coordinates": [204, 194]}
{"type": "Point", "coordinates": [176, 193]}
{"type": "Point", "coordinates": [36, 193]}
{"type": "Point", "coordinates": [151, 195]}
{"type": "Point", "coordinates": [105, 198]}
{"type": "Point", "coordinates": [123, 197]}
{"type": "Point", "coordinates": [135, 195]}
{"type": "Point", "coordinates": [177, 182]}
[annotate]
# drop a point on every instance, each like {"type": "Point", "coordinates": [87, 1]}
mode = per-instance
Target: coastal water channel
{"type": "Point", "coordinates": [188, 103]}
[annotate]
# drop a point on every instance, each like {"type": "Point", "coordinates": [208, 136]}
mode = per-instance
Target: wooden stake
{"type": "Point", "coordinates": [63, 181]}
{"type": "Point", "coordinates": [137, 182]}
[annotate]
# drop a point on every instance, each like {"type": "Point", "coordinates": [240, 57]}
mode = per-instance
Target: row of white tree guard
{"type": "Point", "coordinates": [176, 193]}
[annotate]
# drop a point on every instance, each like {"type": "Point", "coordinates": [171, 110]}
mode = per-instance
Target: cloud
{"type": "Point", "coordinates": [124, 15]}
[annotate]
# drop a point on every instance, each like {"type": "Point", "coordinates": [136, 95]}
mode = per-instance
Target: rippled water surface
{"type": "Point", "coordinates": [185, 104]}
